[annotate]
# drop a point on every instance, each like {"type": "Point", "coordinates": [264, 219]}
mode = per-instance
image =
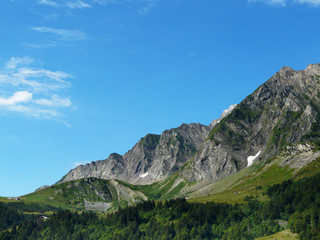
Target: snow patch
{"type": "Point", "coordinates": [144, 175]}
{"type": "Point", "coordinates": [250, 159]}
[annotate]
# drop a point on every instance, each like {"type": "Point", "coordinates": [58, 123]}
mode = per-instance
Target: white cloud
{"type": "Point", "coordinates": [312, 2]}
{"type": "Point", "coordinates": [33, 111]}
{"type": "Point", "coordinates": [32, 91]}
{"type": "Point", "coordinates": [14, 62]}
{"type": "Point", "coordinates": [278, 2]}
{"type": "Point", "coordinates": [18, 97]}
{"type": "Point", "coordinates": [48, 2]}
{"type": "Point", "coordinates": [62, 34]}
{"type": "Point", "coordinates": [35, 80]}
{"type": "Point", "coordinates": [53, 37]}
{"type": "Point", "coordinates": [78, 4]}
{"type": "Point", "coordinates": [43, 44]}
{"type": "Point", "coordinates": [284, 3]}
{"type": "Point", "coordinates": [71, 4]}
{"type": "Point", "coordinates": [55, 101]}
{"type": "Point", "coordinates": [272, 2]}
{"type": "Point", "coordinates": [81, 4]}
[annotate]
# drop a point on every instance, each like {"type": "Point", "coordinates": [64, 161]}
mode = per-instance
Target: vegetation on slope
{"type": "Point", "coordinates": [250, 181]}
{"type": "Point", "coordinates": [173, 219]}
{"type": "Point", "coordinates": [297, 202]}
{"type": "Point", "coordinates": [255, 179]}
{"type": "Point", "coordinates": [72, 194]}
{"type": "Point", "coordinates": [82, 194]}
{"type": "Point", "coordinates": [162, 190]}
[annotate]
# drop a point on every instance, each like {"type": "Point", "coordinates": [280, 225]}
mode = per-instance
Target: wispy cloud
{"type": "Point", "coordinates": [81, 4]}
{"type": "Point", "coordinates": [62, 34]}
{"type": "Point", "coordinates": [14, 62]}
{"type": "Point", "coordinates": [32, 91]}
{"type": "Point", "coordinates": [78, 4]}
{"type": "Point", "coordinates": [283, 3]}
{"type": "Point", "coordinates": [49, 3]}
{"type": "Point", "coordinates": [71, 4]}
{"type": "Point", "coordinates": [312, 2]}
{"type": "Point", "coordinates": [53, 37]}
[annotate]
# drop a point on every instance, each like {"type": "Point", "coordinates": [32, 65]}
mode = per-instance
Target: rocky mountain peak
{"type": "Point", "coordinates": [286, 70]}
{"type": "Point", "coordinates": [284, 110]}
{"type": "Point", "coordinates": [313, 68]}
{"type": "Point", "coordinates": [152, 159]}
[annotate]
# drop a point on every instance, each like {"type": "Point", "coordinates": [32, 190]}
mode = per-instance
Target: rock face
{"type": "Point", "coordinates": [152, 159]}
{"type": "Point", "coordinates": [110, 168]}
{"type": "Point", "coordinates": [284, 110]}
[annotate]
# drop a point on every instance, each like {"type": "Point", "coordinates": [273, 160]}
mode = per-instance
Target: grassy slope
{"type": "Point", "coordinates": [71, 195]}
{"type": "Point", "coordinates": [253, 181]}
{"type": "Point", "coordinates": [247, 182]}
{"type": "Point", "coordinates": [162, 190]}
{"type": "Point", "coordinates": [283, 235]}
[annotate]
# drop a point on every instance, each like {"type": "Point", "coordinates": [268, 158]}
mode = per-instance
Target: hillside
{"type": "Point", "coordinates": [291, 204]}
{"type": "Point", "coordinates": [249, 174]}
{"type": "Point", "coordinates": [283, 111]}
{"type": "Point", "coordinates": [86, 194]}
{"type": "Point", "coordinates": [271, 136]}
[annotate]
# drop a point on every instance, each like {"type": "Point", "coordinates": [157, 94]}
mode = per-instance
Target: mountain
{"type": "Point", "coordinates": [263, 153]}
{"type": "Point", "coordinates": [152, 159]}
{"type": "Point", "coordinates": [282, 111]}
{"type": "Point", "coordinates": [271, 136]}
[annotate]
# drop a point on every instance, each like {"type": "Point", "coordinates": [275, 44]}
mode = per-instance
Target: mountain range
{"type": "Point", "coordinates": [271, 136]}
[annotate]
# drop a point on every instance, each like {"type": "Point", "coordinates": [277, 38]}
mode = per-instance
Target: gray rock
{"type": "Point", "coordinates": [97, 206]}
{"type": "Point", "coordinates": [152, 159]}
{"type": "Point", "coordinates": [284, 110]}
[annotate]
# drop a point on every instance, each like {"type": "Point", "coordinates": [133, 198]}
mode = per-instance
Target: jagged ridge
{"type": "Point", "coordinates": [284, 110]}
{"type": "Point", "coordinates": [152, 159]}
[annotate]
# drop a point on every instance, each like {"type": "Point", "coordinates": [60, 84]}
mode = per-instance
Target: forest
{"type": "Point", "coordinates": [294, 202]}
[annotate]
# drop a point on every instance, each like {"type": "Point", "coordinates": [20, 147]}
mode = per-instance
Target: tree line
{"type": "Point", "coordinates": [297, 202]}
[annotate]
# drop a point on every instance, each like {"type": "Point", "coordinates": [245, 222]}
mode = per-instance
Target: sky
{"type": "Point", "coordinates": [80, 79]}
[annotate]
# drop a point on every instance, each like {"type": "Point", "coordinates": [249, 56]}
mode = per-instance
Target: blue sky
{"type": "Point", "coordinates": [80, 79]}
